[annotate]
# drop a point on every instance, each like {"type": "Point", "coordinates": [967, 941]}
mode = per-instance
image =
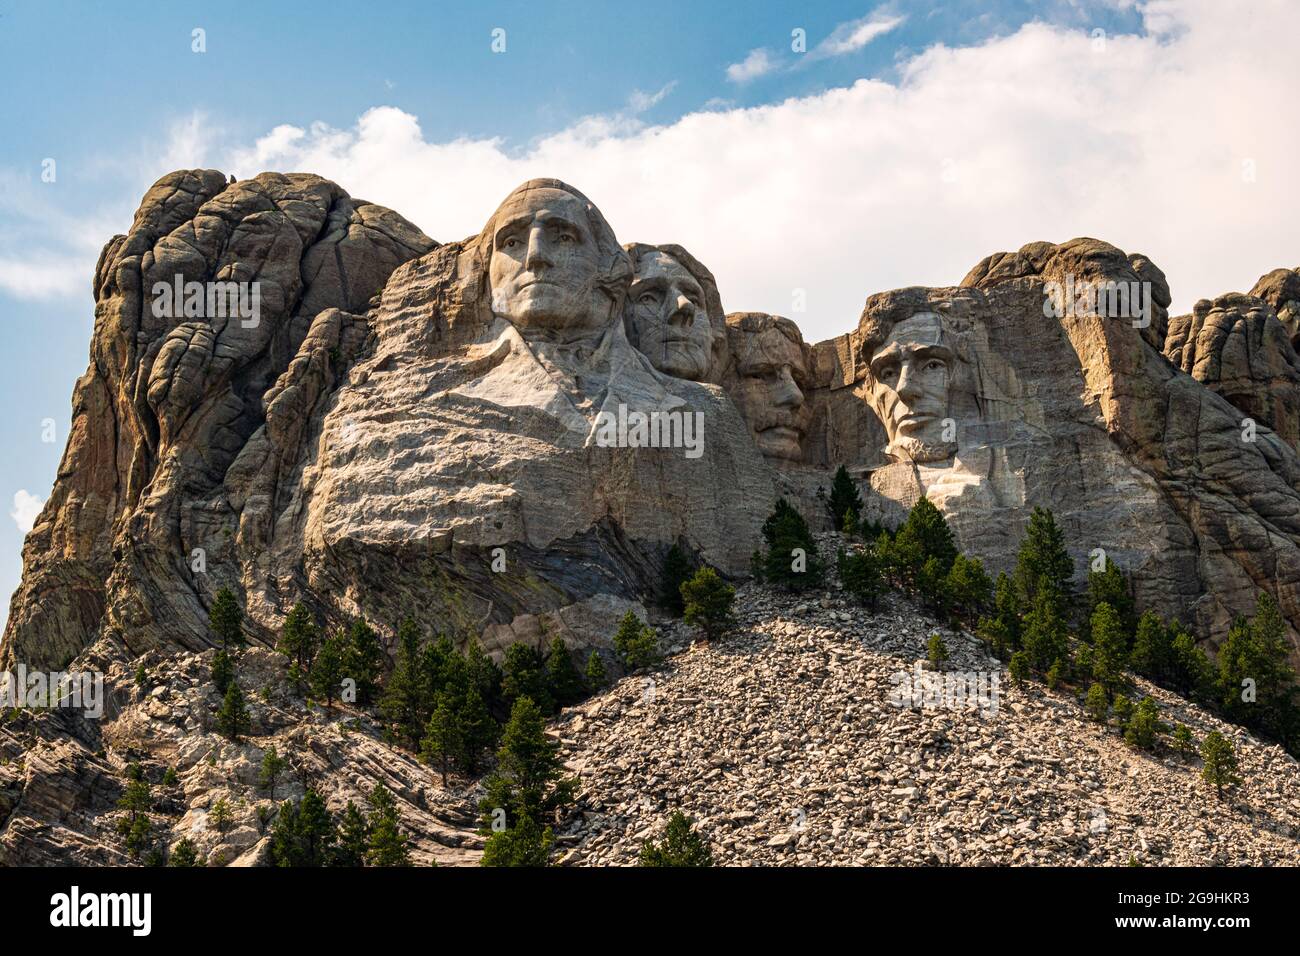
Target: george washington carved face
{"type": "Point", "coordinates": [549, 261]}
{"type": "Point", "coordinates": [911, 374]}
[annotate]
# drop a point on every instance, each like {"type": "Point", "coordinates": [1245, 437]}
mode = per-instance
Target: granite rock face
{"type": "Point", "coordinates": [175, 392]}
{"type": "Point", "coordinates": [468, 433]}
{"type": "Point", "coordinates": [1236, 345]}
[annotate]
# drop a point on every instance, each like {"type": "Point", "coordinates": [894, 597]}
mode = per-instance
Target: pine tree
{"type": "Point", "coordinates": [1002, 628]}
{"type": "Point", "coordinates": [1044, 637]}
{"type": "Point", "coordinates": [184, 854]}
{"type": "Point", "coordinates": [1109, 650]}
{"type": "Point", "coordinates": [1097, 704]}
{"type": "Point", "coordinates": [482, 673]}
{"type": "Point", "coordinates": [937, 651]}
{"type": "Point", "coordinates": [860, 575]}
{"type": "Point", "coordinates": [708, 603]}
{"type": "Point", "coordinates": [1019, 668]}
{"type": "Point", "coordinates": [1183, 742]}
{"type": "Point", "coordinates": [932, 587]}
{"type": "Point", "coordinates": [595, 673]}
{"type": "Point", "coordinates": [681, 846]}
{"type": "Point", "coordinates": [529, 780]}
{"type": "Point", "coordinates": [849, 527]}
{"type": "Point", "coordinates": [525, 844]}
{"type": "Point", "coordinates": [562, 677]}
{"type": "Point", "coordinates": [923, 536]}
{"type": "Point", "coordinates": [327, 670]}
{"type": "Point", "coordinates": [232, 718]}
{"type": "Point", "coordinates": [1055, 674]}
{"type": "Point", "coordinates": [1153, 653]}
{"type": "Point", "coordinates": [1257, 653]}
{"type": "Point", "coordinates": [403, 701]}
{"type": "Point", "coordinates": [136, 800]}
{"type": "Point", "coordinates": [677, 570]}
{"type": "Point", "coordinates": [316, 831]}
{"type": "Point", "coordinates": [223, 671]}
{"type": "Point", "coordinates": [844, 496]}
{"type": "Point", "coordinates": [1042, 562]}
{"type": "Point", "coordinates": [1109, 586]}
{"type": "Point", "coordinates": [227, 620]}
{"type": "Point", "coordinates": [1144, 725]}
{"type": "Point", "coordinates": [1193, 674]}
{"type": "Point", "coordinates": [1123, 711]}
{"type": "Point", "coordinates": [353, 838]}
{"type": "Point", "coordinates": [479, 731]}
{"type": "Point", "coordinates": [388, 845]}
{"type": "Point", "coordinates": [299, 638]}
{"type": "Point", "coordinates": [443, 737]}
{"type": "Point", "coordinates": [272, 766]}
{"type": "Point", "coordinates": [363, 659]}
{"type": "Point", "coordinates": [219, 815]}
{"type": "Point", "coordinates": [636, 642]}
{"type": "Point", "coordinates": [968, 586]}
{"type": "Point", "coordinates": [791, 559]}
{"type": "Point", "coordinates": [1220, 762]}
{"type": "Point", "coordinates": [524, 675]}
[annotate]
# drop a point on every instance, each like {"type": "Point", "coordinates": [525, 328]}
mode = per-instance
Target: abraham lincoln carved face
{"type": "Point", "coordinates": [911, 374]}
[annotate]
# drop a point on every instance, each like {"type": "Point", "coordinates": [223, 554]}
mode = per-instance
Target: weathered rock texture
{"type": "Point", "coordinates": [1081, 413]}
{"type": "Point", "coordinates": [420, 429]}
{"type": "Point", "coordinates": [170, 409]}
{"type": "Point", "coordinates": [1236, 346]}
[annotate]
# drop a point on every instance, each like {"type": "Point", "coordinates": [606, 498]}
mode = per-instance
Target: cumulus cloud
{"type": "Point", "coordinates": [1177, 143]}
{"type": "Point", "coordinates": [758, 63]}
{"type": "Point", "coordinates": [26, 509]}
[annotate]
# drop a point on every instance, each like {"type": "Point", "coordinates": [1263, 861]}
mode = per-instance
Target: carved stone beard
{"type": "Point", "coordinates": [922, 452]}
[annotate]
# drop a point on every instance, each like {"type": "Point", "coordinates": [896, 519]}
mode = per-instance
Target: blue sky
{"type": "Point", "coordinates": [116, 96]}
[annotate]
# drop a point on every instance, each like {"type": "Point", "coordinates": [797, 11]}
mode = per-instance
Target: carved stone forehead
{"type": "Point", "coordinates": [768, 347]}
{"type": "Point", "coordinates": [527, 202]}
{"type": "Point", "coordinates": [660, 265]}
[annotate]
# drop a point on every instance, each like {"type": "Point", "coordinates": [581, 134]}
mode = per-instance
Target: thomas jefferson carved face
{"type": "Point", "coordinates": [910, 376]}
{"type": "Point", "coordinates": [770, 377]}
{"type": "Point", "coordinates": [545, 262]}
{"type": "Point", "coordinates": [668, 320]}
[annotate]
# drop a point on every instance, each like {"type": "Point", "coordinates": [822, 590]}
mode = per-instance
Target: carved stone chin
{"type": "Point", "coordinates": [920, 451]}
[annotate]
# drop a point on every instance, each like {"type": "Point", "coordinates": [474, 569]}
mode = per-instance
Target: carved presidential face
{"type": "Point", "coordinates": [910, 377]}
{"type": "Point", "coordinates": [770, 380]}
{"type": "Point", "coordinates": [668, 322]}
{"type": "Point", "coordinates": [545, 262]}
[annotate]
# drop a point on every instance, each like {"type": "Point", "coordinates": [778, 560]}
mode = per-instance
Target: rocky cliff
{"type": "Point", "coordinates": [506, 433]}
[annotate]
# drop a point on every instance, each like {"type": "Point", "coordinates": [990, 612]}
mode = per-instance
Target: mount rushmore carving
{"type": "Point", "coordinates": [495, 435]}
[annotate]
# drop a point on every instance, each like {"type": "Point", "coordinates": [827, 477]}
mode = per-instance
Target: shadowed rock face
{"type": "Point", "coordinates": [767, 375]}
{"type": "Point", "coordinates": [1280, 289]}
{"type": "Point", "coordinates": [410, 428]}
{"type": "Point", "coordinates": [1236, 346]}
{"type": "Point", "coordinates": [171, 401]}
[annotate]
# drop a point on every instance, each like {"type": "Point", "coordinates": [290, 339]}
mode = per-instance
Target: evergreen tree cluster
{"type": "Point", "coordinates": [307, 834]}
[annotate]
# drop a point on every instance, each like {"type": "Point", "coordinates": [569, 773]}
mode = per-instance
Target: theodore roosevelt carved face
{"type": "Point", "coordinates": [768, 378]}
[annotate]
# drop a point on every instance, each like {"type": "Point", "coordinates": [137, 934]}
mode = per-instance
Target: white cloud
{"type": "Point", "coordinates": [47, 277]}
{"type": "Point", "coordinates": [1036, 135]}
{"type": "Point", "coordinates": [1145, 141]}
{"type": "Point", "coordinates": [854, 35]}
{"type": "Point", "coordinates": [758, 63]}
{"type": "Point", "coordinates": [639, 101]}
{"type": "Point", "coordinates": [27, 507]}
